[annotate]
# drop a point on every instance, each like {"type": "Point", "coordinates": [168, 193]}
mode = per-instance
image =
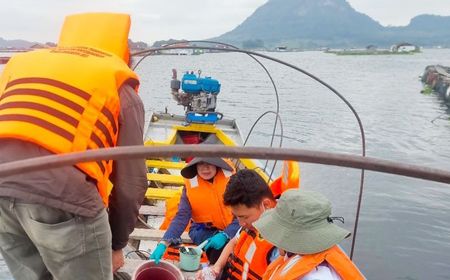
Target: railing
{"type": "Point", "coordinates": [309, 156]}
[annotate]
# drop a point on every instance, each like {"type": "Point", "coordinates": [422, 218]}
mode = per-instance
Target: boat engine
{"type": "Point", "coordinates": [198, 95]}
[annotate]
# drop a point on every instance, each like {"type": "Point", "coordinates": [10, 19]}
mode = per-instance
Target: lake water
{"type": "Point", "coordinates": [404, 229]}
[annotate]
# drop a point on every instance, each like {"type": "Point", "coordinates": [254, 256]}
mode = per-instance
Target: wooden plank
{"type": "Point", "coordinates": [155, 235]}
{"type": "Point", "coordinates": [156, 193]}
{"type": "Point", "coordinates": [149, 210]}
{"type": "Point", "coordinates": [165, 164]}
{"type": "Point", "coordinates": [166, 178]}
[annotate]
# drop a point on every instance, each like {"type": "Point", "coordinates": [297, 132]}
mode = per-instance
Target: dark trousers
{"type": "Point", "coordinates": [199, 233]}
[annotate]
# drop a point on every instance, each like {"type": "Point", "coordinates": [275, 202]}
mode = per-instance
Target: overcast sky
{"type": "Point", "coordinates": [40, 20]}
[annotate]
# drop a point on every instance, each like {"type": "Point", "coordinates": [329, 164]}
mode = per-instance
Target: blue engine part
{"type": "Point", "coordinates": [210, 117]}
{"type": "Point", "coordinates": [190, 83]}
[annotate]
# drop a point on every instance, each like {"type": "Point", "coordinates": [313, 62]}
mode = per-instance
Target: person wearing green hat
{"type": "Point", "coordinates": [302, 229]}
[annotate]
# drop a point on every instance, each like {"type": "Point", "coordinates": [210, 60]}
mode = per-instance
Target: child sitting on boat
{"type": "Point", "coordinates": [247, 255]}
{"type": "Point", "coordinates": [302, 229]}
{"type": "Point", "coordinates": [201, 203]}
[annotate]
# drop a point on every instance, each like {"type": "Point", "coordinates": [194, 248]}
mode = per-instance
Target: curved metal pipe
{"type": "Point", "coordinates": [310, 156]}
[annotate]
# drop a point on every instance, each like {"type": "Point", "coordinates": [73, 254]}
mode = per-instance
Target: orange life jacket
{"type": "Point", "coordinates": [289, 178]}
{"type": "Point", "coordinates": [250, 256]}
{"type": "Point", "coordinates": [206, 200]}
{"type": "Point", "coordinates": [298, 266]}
{"type": "Point", "coordinates": [66, 100]}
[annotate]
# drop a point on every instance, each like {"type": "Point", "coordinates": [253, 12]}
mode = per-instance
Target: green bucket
{"type": "Point", "coordinates": [190, 258]}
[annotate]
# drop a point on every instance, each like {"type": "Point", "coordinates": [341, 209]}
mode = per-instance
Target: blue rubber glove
{"type": "Point", "coordinates": [158, 252]}
{"type": "Point", "coordinates": [217, 241]}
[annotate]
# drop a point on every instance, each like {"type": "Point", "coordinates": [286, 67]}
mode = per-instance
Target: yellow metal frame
{"type": "Point", "coordinates": [162, 194]}
{"type": "Point", "coordinates": [158, 193]}
{"type": "Point", "coordinates": [165, 164]}
{"type": "Point", "coordinates": [166, 178]}
{"type": "Point", "coordinates": [169, 141]}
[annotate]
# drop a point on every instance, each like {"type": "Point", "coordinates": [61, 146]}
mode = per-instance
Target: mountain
{"type": "Point", "coordinates": [329, 23]}
{"type": "Point", "coordinates": [425, 30]}
{"type": "Point", "coordinates": [22, 44]}
{"type": "Point", "coordinates": [15, 44]}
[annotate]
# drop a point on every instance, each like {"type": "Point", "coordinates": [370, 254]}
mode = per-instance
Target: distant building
{"type": "Point", "coordinates": [281, 48]}
{"type": "Point", "coordinates": [179, 51]}
{"type": "Point", "coordinates": [404, 47]}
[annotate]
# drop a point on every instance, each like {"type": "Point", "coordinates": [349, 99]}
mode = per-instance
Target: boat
{"type": "Point", "coordinates": [436, 78]}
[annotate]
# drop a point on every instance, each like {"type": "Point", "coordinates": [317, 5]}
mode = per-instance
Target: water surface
{"type": "Point", "coordinates": [404, 230]}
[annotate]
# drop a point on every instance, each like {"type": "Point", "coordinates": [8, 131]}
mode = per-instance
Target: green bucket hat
{"type": "Point", "coordinates": [299, 223]}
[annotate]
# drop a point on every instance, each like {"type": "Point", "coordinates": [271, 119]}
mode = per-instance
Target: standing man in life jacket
{"type": "Point", "coordinates": [201, 203]}
{"type": "Point", "coordinates": [247, 255]}
{"type": "Point", "coordinates": [71, 221]}
{"type": "Point", "coordinates": [302, 229]}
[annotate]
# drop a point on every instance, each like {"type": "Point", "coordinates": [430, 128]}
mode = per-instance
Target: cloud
{"type": "Point", "coordinates": [180, 19]}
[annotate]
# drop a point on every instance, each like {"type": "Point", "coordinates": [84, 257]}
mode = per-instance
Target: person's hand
{"type": "Point", "coordinates": [117, 260]}
{"type": "Point", "coordinates": [206, 273]}
{"type": "Point", "coordinates": [158, 252]}
{"type": "Point", "coordinates": [217, 241]}
{"type": "Point", "coordinates": [199, 275]}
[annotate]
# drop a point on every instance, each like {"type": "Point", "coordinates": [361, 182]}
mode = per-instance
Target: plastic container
{"type": "Point", "coordinates": [190, 259]}
{"type": "Point", "coordinates": [149, 270]}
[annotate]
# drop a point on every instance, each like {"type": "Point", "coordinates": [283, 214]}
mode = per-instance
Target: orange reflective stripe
{"type": "Point", "coordinates": [105, 132]}
{"type": "Point", "coordinates": [56, 113]}
{"type": "Point", "coordinates": [94, 138]}
{"type": "Point", "coordinates": [41, 107]}
{"type": "Point", "coordinates": [101, 165]}
{"type": "Point", "coordinates": [51, 82]}
{"type": "Point", "coordinates": [46, 94]}
{"type": "Point", "coordinates": [39, 122]}
{"type": "Point", "coordinates": [63, 101]}
{"type": "Point", "coordinates": [107, 113]}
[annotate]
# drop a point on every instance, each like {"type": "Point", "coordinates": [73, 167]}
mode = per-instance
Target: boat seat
{"type": "Point", "coordinates": [168, 179]}
{"type": "Point", "coordinates": [165, 164]}
{"type": "Point", "coordinates": [155, 235]}
{"type": "Point", "coordinates": [149, 210]}
{"type": "Point", "coordinates": [162, 194]}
